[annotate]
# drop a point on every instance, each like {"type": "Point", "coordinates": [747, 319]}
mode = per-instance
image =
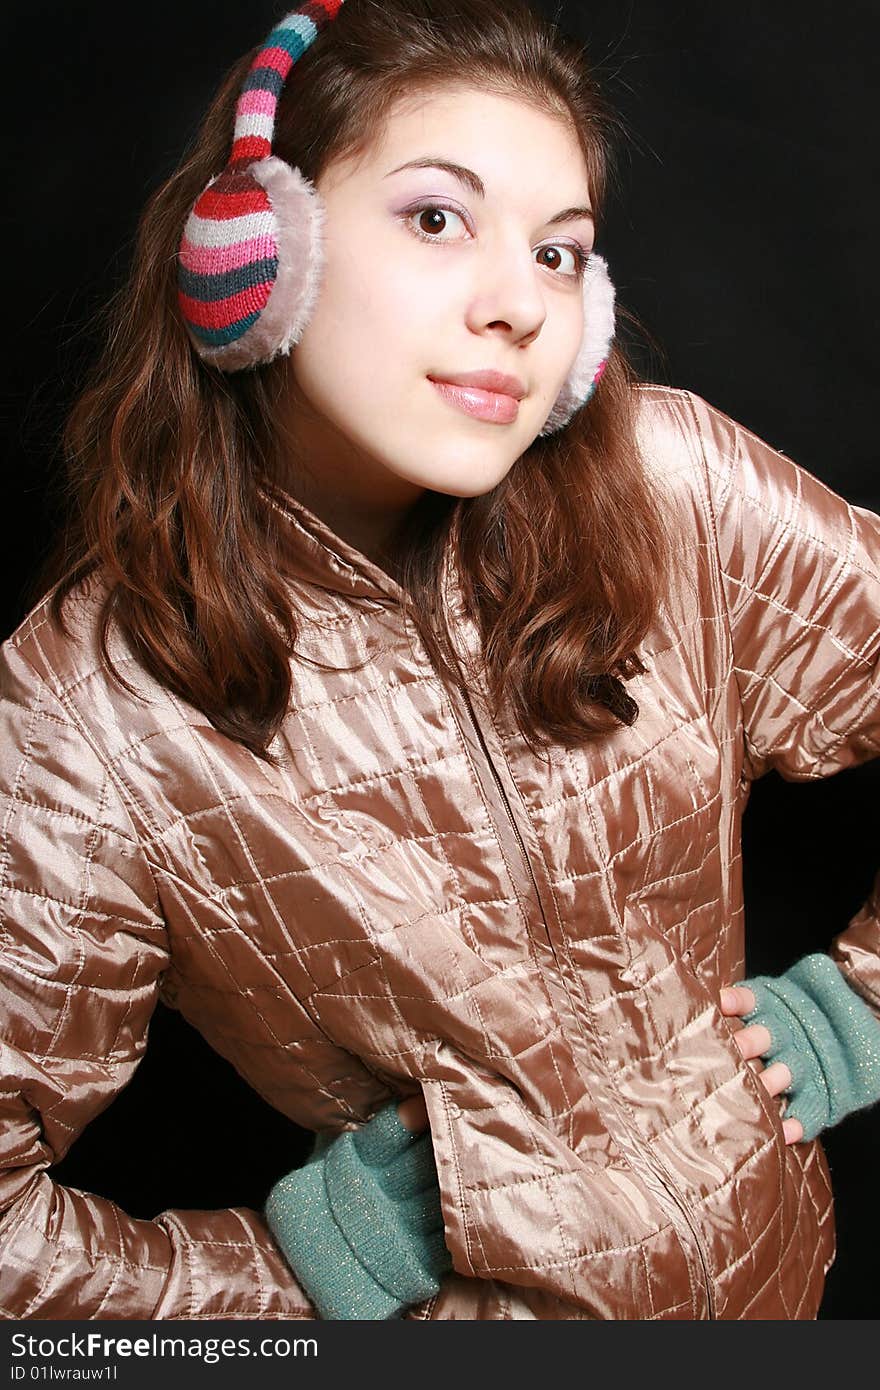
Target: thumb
{"type": "Point", "coordinates": [413, 1113]}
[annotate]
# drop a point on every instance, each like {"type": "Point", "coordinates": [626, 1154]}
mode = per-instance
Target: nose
{"type": "Point", "coordinates": [507, 297]}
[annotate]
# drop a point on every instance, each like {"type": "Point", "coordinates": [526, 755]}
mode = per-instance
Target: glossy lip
{"type": "Point", "coordinates": [498, 382]}
{"type": "Point", "coordinates": [494, 407]}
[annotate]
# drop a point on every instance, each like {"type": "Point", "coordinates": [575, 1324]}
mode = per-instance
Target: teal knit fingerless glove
{"type": "Point", "coordinates": [360, 1224]}
{"type": "Point", "coordinates": [827, 1036]}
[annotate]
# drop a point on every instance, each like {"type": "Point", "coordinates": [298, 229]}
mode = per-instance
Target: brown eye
{"type": "Point", "coordinates": [556, 260]}
{"type": "Point", "coordinates": [432, 220]}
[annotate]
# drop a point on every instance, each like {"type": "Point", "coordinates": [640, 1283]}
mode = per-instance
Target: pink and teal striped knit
{"type": "Point", "coordinates": [229, 253]}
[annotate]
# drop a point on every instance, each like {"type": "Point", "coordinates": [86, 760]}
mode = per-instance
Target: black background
{"type": "Point", "coordinates": [742, 234]}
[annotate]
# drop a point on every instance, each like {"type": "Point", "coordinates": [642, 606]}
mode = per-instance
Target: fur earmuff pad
{"type": "Point", "coordinates": [587, 368]}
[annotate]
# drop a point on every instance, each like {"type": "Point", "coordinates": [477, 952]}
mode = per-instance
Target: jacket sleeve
{"type": "Point", "coordinates": [800, 570]}
{"type": "Point", "coordinates": [82, 950]}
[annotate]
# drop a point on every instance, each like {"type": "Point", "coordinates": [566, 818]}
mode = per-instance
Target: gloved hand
{"type": "Point", "coordinates": [360, 1223]}
{"type": "Point", "coordinates": [826, 1035]}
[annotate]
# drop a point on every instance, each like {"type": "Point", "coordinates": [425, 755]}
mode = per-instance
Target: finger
{"type": "Point", "coordinates": [413, 1113]}
{"type": "Point", "coordinates": [753, 1040]}
{"type": "Point", "coordinates": [737, 999]}
{"type": "Point", "coordinates": [793, 1131]}
{"type": "Point", "coordinates": [777, 1078]}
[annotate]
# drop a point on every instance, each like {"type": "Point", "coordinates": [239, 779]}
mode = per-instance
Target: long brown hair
{"type": "Point", "coordinates": [562, 564]}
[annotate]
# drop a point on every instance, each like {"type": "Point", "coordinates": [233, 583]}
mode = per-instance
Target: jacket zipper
{"type": "Point", "coordinates": [650, 1161]}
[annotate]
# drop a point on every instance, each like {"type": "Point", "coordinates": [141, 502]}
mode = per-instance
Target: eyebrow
{"type": "Point", "coordinates": [476, 185]}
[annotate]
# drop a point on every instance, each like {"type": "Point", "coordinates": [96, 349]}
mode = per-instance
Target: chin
{"type": "Point", "coordinates": [468, 479]}
{"type": "Point", "coordinates": [465, 489]}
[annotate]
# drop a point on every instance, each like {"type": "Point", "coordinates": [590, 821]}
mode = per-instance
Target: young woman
{"type": "Point", "coordinates": [389, 707]}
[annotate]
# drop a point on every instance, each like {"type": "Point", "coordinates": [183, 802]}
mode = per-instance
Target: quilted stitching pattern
{"type": "Point", "coordinates": [363, 918]}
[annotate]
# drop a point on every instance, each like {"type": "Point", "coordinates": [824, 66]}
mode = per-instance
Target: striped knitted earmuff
{"type": "Point", "coordinates": [251, 255]}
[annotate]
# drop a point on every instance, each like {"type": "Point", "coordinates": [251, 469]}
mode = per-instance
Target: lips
{"type": "Point", "coordinates": [494, 407]}
{"type": "Point", "coordinates": [499, 383]}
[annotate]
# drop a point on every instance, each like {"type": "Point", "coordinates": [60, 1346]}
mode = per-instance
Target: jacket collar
{"type": "Point", "coordinates": [325, 559]}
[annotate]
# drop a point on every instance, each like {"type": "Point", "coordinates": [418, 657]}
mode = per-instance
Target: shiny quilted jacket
{"type": "Point", "coordinates": [412, 900]}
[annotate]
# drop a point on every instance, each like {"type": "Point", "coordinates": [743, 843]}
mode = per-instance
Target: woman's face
{"type": "Point", "coordinates": [429, 275]}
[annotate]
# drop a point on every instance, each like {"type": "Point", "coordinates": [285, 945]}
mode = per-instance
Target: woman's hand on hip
{"type": "Point", "coordinates": [753, 1040]}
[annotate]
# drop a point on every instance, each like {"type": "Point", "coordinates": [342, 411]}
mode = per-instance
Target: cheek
{"type": "Point", "coordinates": [365, 316]}
{"type": "Point", "coordinates": [560, 353]}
